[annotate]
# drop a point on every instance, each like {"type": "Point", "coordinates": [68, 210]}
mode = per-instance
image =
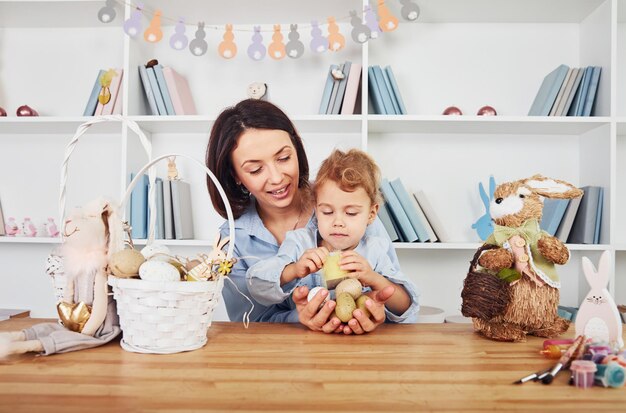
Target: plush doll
{"type": "Point", "coordinates": [87, 313]}
{"type": "Point", "coordinates": [520, 258]}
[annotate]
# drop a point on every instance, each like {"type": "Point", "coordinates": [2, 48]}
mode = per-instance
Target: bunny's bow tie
{"type": "Point", "coordinates": [529, 230]}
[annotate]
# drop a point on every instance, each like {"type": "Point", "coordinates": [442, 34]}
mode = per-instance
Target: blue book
{"type": "Point", "coordinates": [553, 211]}
{"type": "Point", "coordinates": [374, 93]}
{"type": "Point", "coordinates": [156, 91]}
{"type": "Point", "coordinates": [408, 205]}
{"type": "Point", "coordinates": [169, 107]}
{"type": "Point", "coordinates": [586, 221]}
{"type": "Point", "coordinates": [341, 89]}
{"type": "Point", "coordinates": [596, 234]}
{"type": "Point", "coordinates": [578, 96]}
{"type": "Point", "coordinates": [395, 90]}
{"type": "Point", "coordinates": [583, 93]}
{"type": "Point", "coordinates": [592, 91]}
{"type": "Point", "coordinates": [90, 109]}
{"type": "Point", "coordinates": [384, 92]}
{"type": "Point", "coordinates": [397, 212]}
{"type": "Point", "coordinates": [143, 74]}
{"type": "Point", "coordinates": [394, 102]}
{"type": "Point", "coordinates": [139, 208]}
{"type": "Point", "coordinates": [548, 92]}
{"type": "Point", "coordinates": [328, 88]}
{"type": "Point", "coordinates": [385, 218]}
{"type": "Point", "coordinates": [159, 228]}
{"type": "Point", "coordinates": [333, 92]}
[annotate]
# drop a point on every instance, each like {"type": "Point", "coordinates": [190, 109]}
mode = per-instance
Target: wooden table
{"type": "Point", "coordinates": [283, 367]}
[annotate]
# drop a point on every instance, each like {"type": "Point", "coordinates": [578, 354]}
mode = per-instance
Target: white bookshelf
{"type": "Point", "coordinates": [467, 53]}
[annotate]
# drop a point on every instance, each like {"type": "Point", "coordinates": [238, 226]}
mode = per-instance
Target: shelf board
{"type": "Point", "coordinates": [476, 245]}
{"type": "Point", "coordinates": [55, 14]}
{"type": "Point", "coordinates": [203, 124]}
{"type": "Point", "coordinates": [29, 240]}
{"type": "Point", "coordinates": [51, 125]}
{"type": "Point", "coordinates": [513, 125]}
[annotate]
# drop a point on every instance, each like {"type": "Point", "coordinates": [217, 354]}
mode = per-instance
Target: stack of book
{"type": "Point", "coordinates": [173, 207]}
{"type": "Point", "coordinates": [384, 92]}
{"type": "Point", "coordinates": [342, 90]}
{"type": "Point", "coordinates": [409, 217]}
{"type": "Point", "coordinates": [114, 104]}
{"type": "Point", "coordinates": [167, 91]}
{"type": "Point", "coordinates": [577, 220]}
{"type": "Point", "coordinates": [567, 91]}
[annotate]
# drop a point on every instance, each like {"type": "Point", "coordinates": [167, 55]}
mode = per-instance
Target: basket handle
{"type": "Point", "coordinates": [69, 149]}
{"type": "Point", "coordinates": [229, 212]}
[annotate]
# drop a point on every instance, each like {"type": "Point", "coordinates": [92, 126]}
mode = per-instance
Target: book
{"type": "Point", "coordinates": [143, 74]}
{"type": "Point", "coordinates": [333, 92]}
{"type": "Point", "coordinates": [394, 102]}
{"type": "Point", "coordinates": [181, 209]}
{"type": "Point", "coordinates": [553, 211]}
{"type": "Point", "coordinates": [385, 218]}
{"type": "Point", "coordinates": [2, 229]}
{"type": "Point", "coordinates": [572, 91]}
{"type": "Point", "coordinates": [92, 102]}
{"type": "Point", "coordinates": [548, 91]}
{"type": "Point", "coordinates": [159, 227]}
{"type": "Point", "coordinates": [584, 90]}
{"type": "Point", "coordinates": [409, 209]}
{"type": "Point", "coordinates": [181, 96]}
{"type": "Point", "coordinates": [341, 89]}
{"type": "Point", "coordinates": [397, 212]}
{"type": "Point", "coordinates": [119, 101]}
{"type": "Point", "coordinates": [352, 89]}
{"type": "Point", "coordinates": [584, 225]}
{"type": "Point", "coordinates": [115, 88]}
{"type": "Point", "coordinates": [168, 218]}
{"type": "Point", "coordinates": [396, 90]}
{"type": "Point", "coordinates": [158, 97]}
{"type": "Point", "coordinates": [559, 96]}
{"type": "Point", "coordinates": [596, 232]}
{"type": "Point", "coordinates": [565, 226]}
{"type": "Point", "coordinates": [139, 208]}
{"type": "Point", "coordinates": [384, 92]}
{"type": "Point", "coordinates": [167, 100]}
{"type": "Point", "coordinates": [590, 98]}
{"type": "Point", "coordinates": [573, 109]}
{"type": "Point", "coordinates": [374, 93]}
{"type": "Point", "coordinates": [328, 88]}
{"type": "Point", "coordinates": [431, 216]}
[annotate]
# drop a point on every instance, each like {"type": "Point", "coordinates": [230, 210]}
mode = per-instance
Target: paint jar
{"type": "Point", "coordinates": [583, 371]}
{"type": "Point", "coordinates": [610, 375]}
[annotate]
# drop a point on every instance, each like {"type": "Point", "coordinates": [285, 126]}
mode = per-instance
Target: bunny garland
{"type": "Point", "coordinates": [598, 304]}
{"type": "Point", "coordinates": [524, 258]}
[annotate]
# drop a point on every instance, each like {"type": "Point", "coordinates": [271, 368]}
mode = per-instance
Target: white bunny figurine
{"type": "Point", "coordinates": [598, 304]}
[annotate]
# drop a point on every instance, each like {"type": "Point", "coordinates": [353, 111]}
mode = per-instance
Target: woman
{"type": "Point", "coordinates": [257, 155]}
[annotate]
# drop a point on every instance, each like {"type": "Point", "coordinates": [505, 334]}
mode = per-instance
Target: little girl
{"type": "Point", "coordinates": [346, 202]}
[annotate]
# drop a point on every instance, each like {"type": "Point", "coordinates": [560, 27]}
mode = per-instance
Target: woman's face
{"type": "Point", "coordinates": [266, 163]}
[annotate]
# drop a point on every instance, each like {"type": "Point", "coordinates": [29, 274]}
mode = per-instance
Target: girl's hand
{"type": "Point", "coordinates": [311, 261]}
{"type": "Point", "coordinates": [361, 324]}
{"type": "Point", "coordinates": [360, 269]}
{"type": "Point", "coordinates": [311, 315]}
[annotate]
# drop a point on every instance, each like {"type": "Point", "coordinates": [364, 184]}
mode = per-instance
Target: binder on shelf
{"type": "Point", "coordinates": [409, 209]}
{"type": "Point", "coordinates": [568, 219]}
{"type": "Point", "coordinates": [407, 232]}
{"type": "Point", "coordinates": [596, 232]}
{"type": "Point", "coordinates": [180, 93]}
{"type": "Point", "coordinates": [143, 74]}
{"type": "Point", "coordinates": [396, 90]}
{"type": "Point", "coordinates": [572, 92]}
{"type": "Point", "coordinates": [158, 97]}
{"type": "Point", "coordinates": [394, 102]}
{"type": "Point", "coordinates": [384, 92]}
{"type": "Point", "coordinates": [333, 92]}
{"type": "Point", "coordinates": [548, 92]}
{"type": "Point", "coordinates": [167, 100]}
{"type": "Point", "coordinates": [431, 216]}
{"type": "Point", "coordinates": [139, 208]}
{"type": "Point", "coordinates": [353, 87]}
{"type": "Point", "coordinates": [584, 227]}
{"type": "Point", "coordinates": [168, 217]}
{"type": "Point", "coordinates": [181, 209]}
{"type": "Point", "coordinates": [559, 96]}
{"type": "Point", "coordinates": [385, 218]}
{"type": "Point", "coordinates": [92, 102]}
{"type": "Point", "coordinates": [159, 228]}
{"type": "Point", "coordinates": [374, 93]}
{"type": "Point", "coordinates": [592, 91]}
{"type": "Point", "coordinates": [583, 92]}
{"type": "Point", "coordinates": [328, 88]}
{"type": "Point", "coordinates": [341, 89]}
{"type": "Point", "coordinates": [553, 211]}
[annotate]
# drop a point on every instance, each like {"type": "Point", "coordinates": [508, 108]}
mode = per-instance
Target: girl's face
{"type": "Point", "coordinates": [342, 217]}
{"type": "Point", "coordinates": [266, 163]}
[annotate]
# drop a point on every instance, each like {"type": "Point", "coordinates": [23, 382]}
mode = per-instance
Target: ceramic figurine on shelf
{"type": "Point", "coordinates": [452, 111]}
{"type": "Point", "coordinates": [486, 111]}
{"type": "Point", "coordinates": [11, 227]}
{"type": "Point", "coordinates": [3, 112]}
{"type": "Point", "coordinates": [257, 90]}
{"type": "Point", "coordinates": [28, 228]}
{"type": "Point", "coordinates": [26, 110]}
{"type": "Point", "coordinates": [51, 228]}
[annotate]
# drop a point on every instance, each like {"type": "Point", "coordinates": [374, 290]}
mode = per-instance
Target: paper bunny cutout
{"type": "Point", "coordinates": [598, 304]}
{"type": "Point", "coordinates": [484, 224]}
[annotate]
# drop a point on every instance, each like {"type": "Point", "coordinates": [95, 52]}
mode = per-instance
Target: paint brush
{"type": "Point", "coordinates": [566, 358]}
{"type": "Point", "coordinates": [534, 377]}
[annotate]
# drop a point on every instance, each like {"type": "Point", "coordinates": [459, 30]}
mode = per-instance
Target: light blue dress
{"type": "Point", "coordinates": [264, 276]}
{"type": "Point", "coordinates": [253, 243]}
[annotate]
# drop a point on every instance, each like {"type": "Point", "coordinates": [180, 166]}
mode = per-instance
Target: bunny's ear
{"type": "Point", "coordinates": [223, 243]}
{"type": "Point", "coordinates": [483, 195]}
{"type": "Point", "coordinates": [217, 240]}
{"type": "Point", "coordinates": [115, 227]}
{"type": "Point", "coordinates": [552, 188]}
{"type": "Point", "coordinates": [590, 271]}
{"type": "Point", "coordinates": [603, 269]}
{"type": "Point", "coordinates": [492, 186]}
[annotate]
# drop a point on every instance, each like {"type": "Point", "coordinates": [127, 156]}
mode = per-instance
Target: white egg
{"type": "Point", "coordinates": [158, 271]}
{"type": "Point", "coordinates": [156, 252]}
{"type": "Point", "coordinates": [314, 291]}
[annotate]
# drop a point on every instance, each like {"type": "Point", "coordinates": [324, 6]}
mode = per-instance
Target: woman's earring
{"type": "Point", "coordinates": [244, 190]}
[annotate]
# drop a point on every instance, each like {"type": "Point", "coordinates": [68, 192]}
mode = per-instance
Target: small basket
{"type": "Point", "coordinates": [484, 295]}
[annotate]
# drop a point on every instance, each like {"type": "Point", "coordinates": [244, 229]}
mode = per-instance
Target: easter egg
{"type": "Point", "coordinates": [351, 286]}
{"type": "Point", "coordinates": [126, 263]}
{"type": "Point", "coordinates": [158, 271]}
{"type": "Point", "coordinates": [345, 307]}
{"type": "Point", "coordinates": [332, 273]}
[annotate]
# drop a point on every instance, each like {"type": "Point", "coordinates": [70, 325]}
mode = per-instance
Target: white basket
{"type": "Point", "coordinates": [165, 317]}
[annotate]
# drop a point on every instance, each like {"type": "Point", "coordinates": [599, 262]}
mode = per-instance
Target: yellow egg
{"type": "Point", "coordinates": [332, 273]}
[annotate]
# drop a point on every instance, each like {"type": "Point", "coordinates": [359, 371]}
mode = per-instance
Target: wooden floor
{"type": "Point", "coordinates": [283, 367]}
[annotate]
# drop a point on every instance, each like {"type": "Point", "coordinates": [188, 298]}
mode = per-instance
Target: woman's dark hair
{"type": "Point", "coordinates": [228, 127]}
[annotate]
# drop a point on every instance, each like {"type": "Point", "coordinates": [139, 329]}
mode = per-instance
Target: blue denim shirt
{"type": "Point", "coordinates": [253, 242]}
{"type": "Point", "coordinates": [264, 276]}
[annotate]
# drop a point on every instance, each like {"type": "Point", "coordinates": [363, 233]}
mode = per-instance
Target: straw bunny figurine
{"type": "Point", "coordinates": [598, 304]}
{"type": "Point", "coordinates": [87, 312]}
{"type": "Point", "coordinates": [524, 256]}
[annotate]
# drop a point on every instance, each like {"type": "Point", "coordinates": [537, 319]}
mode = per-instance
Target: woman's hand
{"type": "Point", "coordinates": [361, 324]}
{"type": "Point", "coordinates": [311, 315]}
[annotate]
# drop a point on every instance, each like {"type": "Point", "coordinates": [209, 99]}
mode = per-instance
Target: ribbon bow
{"type": "Point", "coordinates": [529, 230]}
